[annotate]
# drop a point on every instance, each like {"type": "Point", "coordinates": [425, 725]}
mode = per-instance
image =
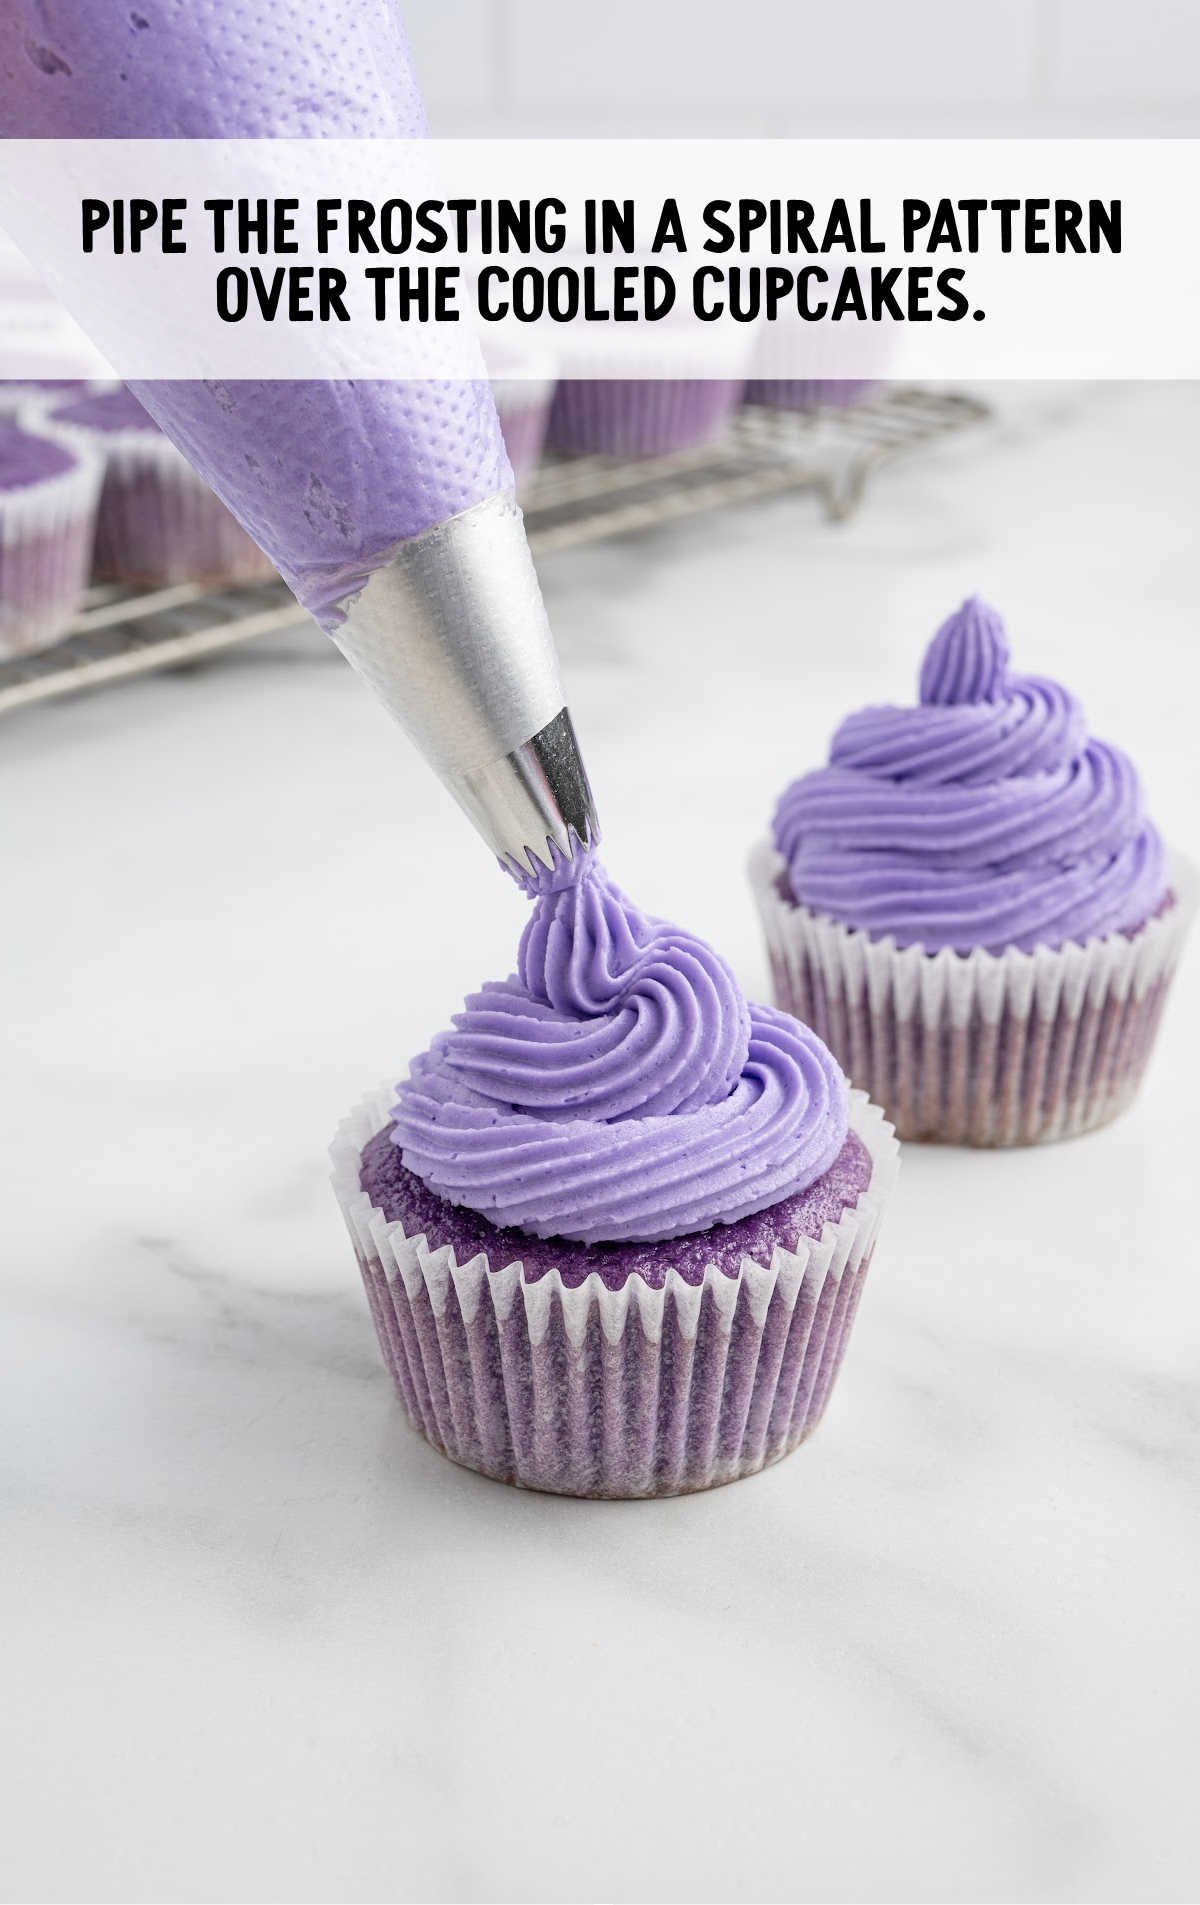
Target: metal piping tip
{"type": "Point", "coordinates": [534, 807]}
{"type": "Point", "coordinates": [550, 872]}
{"type": "Point", "coordinates": [452, 635]}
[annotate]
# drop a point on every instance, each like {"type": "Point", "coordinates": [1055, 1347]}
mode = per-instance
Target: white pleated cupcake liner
{"type": "Point", "coordinates": [46, 535]}
{"type": "Point", "coordinates": [611, 1393]}
{"type": "Point", "coordinates": [18, 400]}
{"type": "Point", "coordinates": [980, 1048]}
{"type": "Point", "coordinates": [158, 522]}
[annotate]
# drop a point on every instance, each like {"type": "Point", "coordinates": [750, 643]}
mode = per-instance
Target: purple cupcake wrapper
{"type": "Point", "coordinates": [524, 413]}
{"type": "Point", "coordinates": [640, 416]}
{"type": "Point", "coordinates": [158, 522]}
{"type": "Point", "coordinates": [810, 393]}
{"type": "Point", "coordinates": [982, 1049]}
{"type": "Point", "coordinates": [46, 534]}
{"type": "Point", "coordinates": [605, 1393]}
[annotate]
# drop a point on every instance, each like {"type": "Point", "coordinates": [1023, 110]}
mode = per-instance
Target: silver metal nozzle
{"type": "Point", "coordinates": [452, 635]}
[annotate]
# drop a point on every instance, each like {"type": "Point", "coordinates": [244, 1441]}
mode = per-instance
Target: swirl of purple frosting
{"type": "Point", "coordinates": [985, 817]}
{"type": "Point", "coordinates": [618, 1087]}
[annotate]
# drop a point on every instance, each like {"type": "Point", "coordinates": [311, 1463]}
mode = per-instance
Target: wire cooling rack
{"type": "Point", "coordinates": [765, 452]}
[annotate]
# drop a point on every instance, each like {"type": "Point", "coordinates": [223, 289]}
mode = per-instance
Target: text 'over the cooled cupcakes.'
{"type": "Point", "coordinates": [618, 1086]}
{"type": "Point", "coordinates": [984, 817]}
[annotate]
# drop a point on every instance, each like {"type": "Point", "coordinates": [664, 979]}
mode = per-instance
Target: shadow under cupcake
{"type": "Point", "coordinates": [971, 907]}
{"type": "Point", "coordinates": [614, 1226]}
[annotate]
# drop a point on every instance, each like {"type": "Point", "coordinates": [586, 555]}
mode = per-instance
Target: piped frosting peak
{"type": "Point", "coordinates": [967, 660]}
{"type": "Point", "coordinates": [618, 1087]}
{"type": "Point", "coordinates": [984, 817]}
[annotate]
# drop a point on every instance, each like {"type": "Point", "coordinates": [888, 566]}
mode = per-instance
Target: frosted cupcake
{"type": "Point", "coordinates": [158, 522]}
{"type": "Point", "coordinates": [970, 905]}
{"type": "Point", "coordinates": [47, 519]}
{"type": "Point", "coordinates": [615, 1223]}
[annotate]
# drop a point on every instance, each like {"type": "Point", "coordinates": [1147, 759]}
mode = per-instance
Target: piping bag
{"type": "Point", "coordinates": [387, 507]}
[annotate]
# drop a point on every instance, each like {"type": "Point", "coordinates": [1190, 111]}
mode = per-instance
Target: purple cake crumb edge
{"type": "Point", "coordinates": [401, 1196]}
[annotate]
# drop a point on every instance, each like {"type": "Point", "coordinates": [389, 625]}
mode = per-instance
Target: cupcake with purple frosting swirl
{"type": "Point", "coordinates": [614, 1224]}
{"type": "Point", "coordinates": [971, 905]}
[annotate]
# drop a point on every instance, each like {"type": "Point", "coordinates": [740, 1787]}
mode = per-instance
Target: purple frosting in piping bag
{"type": "Point", "coordinates": [327, 477]}
{"type": "Point", "coordinates": [985, 817]}
{"type": "Point", "coordinates": [618, 1086]}
{"type": "Point", "coordinates": [330, 477]}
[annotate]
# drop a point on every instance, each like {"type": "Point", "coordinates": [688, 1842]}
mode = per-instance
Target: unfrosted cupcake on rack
{"type": "Point", "coordinates": [646, 390]}
{"type": "Point", "coordinates": [971, 906]}
{"type": "Point", "coordinates": [523, 379]}
{"type": "Point", "coordinates": [48, 497]}
{"type": "Point", "coordinates": [818, 366]}
{"type": "Point", "coordinates": [614, 1225]}
{"type": "Point", "coordinates": [810, 393]}
{"type": "Point", "coordinates": [158, 521]}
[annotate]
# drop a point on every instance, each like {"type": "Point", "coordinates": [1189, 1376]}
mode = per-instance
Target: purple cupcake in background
{"type": "Point", "coordinates": [971, 906]}
{"type": "Point", "coordinates": [16, 397]}
{"type": "Point", "coordinates": [602, 412]}
{"type": "Point", "coordinates": [614, 1225]}
{"type": "Point", "coordinates": [821, 365]}
{"type": "Point", "coordinates": [634, 417]}
{"type": "Point", "coordinates": [47, 520]}
{"type": "Point", "coordinates": [158, 521]}
{"type": "Point", "coordinates": [523, 408]}
{"type": "Point", "coordinates": [810, 393]}
{"type": "Point", "coordinates": [523, 388]}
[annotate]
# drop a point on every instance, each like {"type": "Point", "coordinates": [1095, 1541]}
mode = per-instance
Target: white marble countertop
{"type": "Point", "coordinates": [264, 1644]}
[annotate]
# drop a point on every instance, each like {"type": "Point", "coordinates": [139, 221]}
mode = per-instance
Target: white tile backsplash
{"type": "Point", "coordinates": [763, 53]}
{"type": "Point", "coordinates": [1110, 50]}
{"type": "Point", "coordinates": [828, 67]}
{"type": "Point", "coordinates": [457, 50]}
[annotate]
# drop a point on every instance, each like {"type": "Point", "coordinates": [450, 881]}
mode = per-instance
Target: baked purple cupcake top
{"type": "Point", "coordinates": [618, 1087]}
{"type": "Point", "coordinates": [985, 817]}
{"type": "Point", "coordinates": [27, 459]}
{"type": "Point", "coordinates": [400, 1196]}
{"type": "Point", "coordinates": [105, 411]}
